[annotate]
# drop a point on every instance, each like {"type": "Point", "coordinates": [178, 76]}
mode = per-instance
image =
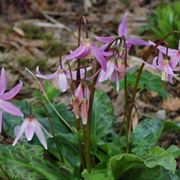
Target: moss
{"type": "Point", "coordinates": [53, 48]}
{"type": "Point", "coordinates": [31, 62]}
{"type": "Point", "coordinates": [32, 32]}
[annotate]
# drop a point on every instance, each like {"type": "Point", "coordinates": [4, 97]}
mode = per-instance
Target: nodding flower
{"type": "Point", "coordinates": [62, 75]}
{"type": "Point", "coordinates": [88, 49]}
{"type": "Point", "coordinates": [174, 54]}
{"type": "Point", "coordinates": [31, 126]}
{"type": "Point", "coordinates": [123, 32]}
{"type": "Point", "coordinates": [5, 105]}
{"type": "Point", "coordinates": [80, 102]}
{"type": "Point", "coordinates": [115, 72]}
{"type": "Point", "coordinates": [167, 67]}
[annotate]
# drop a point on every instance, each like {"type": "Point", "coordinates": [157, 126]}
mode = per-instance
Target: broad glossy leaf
{"type": "Point", "coordinates": [97, 175]}
{"type": "Point", "coordinates": [175, 150]}
{"type": "Point", "coordinates": [103, 115]}
{"type": "Point", "coordinates": [67, 144]}
{"type": "Point", "coordinates": [28, 163]}
{"type": "Point", "coordinates": [158, 156]}
{"type": "Point", "coordinates": [143, 173]}
{"type": "Point", "coordinates": [146, 135]}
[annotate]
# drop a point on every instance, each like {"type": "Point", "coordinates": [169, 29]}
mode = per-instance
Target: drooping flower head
{"type": "Point", "coordinates": [80, 102]}
{"type": "Point", "coordinates": [5, 105]}
{"type": "Point", "coordinates": [123, 32]}
{"type": "Point", "coordinates": [29, 127]}
{"type": "Point", "coordinates": [62, 75]}
{"type": "Point", "coordinates": [115, 72]}
{"type": "Point", "coordinates": [165, 66]}
{"type": "Point", "coordinates": [88, 49]}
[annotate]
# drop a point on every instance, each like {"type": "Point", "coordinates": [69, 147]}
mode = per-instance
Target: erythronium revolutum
{"type": "Point", "coordinates": [115, 72]}
{"type": "Point", "coordinates": [88, 49]}
{"type": "Point", "coordinates": [62, 75]}
{"type": "Point", "coordinates": [31, 126]}
{"type": "Point", "coordinates": [112, 64]}
{"type": "Point", "coordinates": [123, 32]}
{"type": "Point", "coordinates": [80, 102]}
{"type": "Point", "coordinates": [6, 106]}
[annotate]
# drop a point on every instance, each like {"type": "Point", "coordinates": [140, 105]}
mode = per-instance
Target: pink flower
{"type": "Point", "coordinates": [123, 32]}
{"type": "Point", "coordinates": [62, 76]}
{"type": "Point", "coordinates": [82, 91]}
{"type": "Point", "coordinates": [167, 67]}
{"type": "Point", "coordinates": [6, 106]}
{"type": "Point", "coordinates": [80, 102]}
{"type": "Point", "coordinates": [172, 53]}
{"type": "Point", "coordinates": [115, 72]}
{"type": "Point", "coordinates": [84, 111]}
{"type": "Point", "coordinates": [29, 127]}
{"type": "Point", "coordinates": [89, 49]}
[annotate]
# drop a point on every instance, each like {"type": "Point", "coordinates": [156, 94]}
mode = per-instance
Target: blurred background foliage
{"type": "Point", "coordinates": [163, 20]}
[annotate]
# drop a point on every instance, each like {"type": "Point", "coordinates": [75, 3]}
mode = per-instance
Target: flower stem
{"type": "Point", "coordinates": [130, 106]}
{"type": "Point", "coordinates": [53, 107]}
{"type": "Point", "coordinates": [52, 129]}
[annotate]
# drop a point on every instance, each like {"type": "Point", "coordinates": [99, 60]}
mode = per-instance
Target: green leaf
{"type": "Point", "coordinates": [146, 135]}
{"type": "Point", "coordinates": [119, 165]}
{"type": "Point", "coordinates": [67, 144]}
{"type": "Point", "coordinates": [28, 162]}
{"type": "Point", "coordinates": [103, 115]}
{"type": "Point", "coordinates": [158, 156]}
{"type": "Point", "coordinates": [174, 150]}
{"type": "Point", "coordinates": [171, 126]}
{"type": "Point", "coordinates": [97, 175]}
{"type": "Point", "coordinates": [148, 81]}
{"type": "Point", "coordinates": [143, 173]}
{"type": "Point", "coordinates": [51, 92]}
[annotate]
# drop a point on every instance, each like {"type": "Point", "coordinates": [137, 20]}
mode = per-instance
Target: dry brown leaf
{"type": "Point", "coordinates": [172, 104]}
{"type": "Point", "coordinates": [18, 31]}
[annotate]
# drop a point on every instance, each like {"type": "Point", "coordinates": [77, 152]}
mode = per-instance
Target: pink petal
{"type": "Point", "coordinates": [86, 93]}
{"type": "Point", "coordinates": [2, 81]}
{"type": "Point", "coordinates": [162, 49]}
{"type": "Point", "coordinates": [160, 60]}
{"type": "Point", "coordinates": [104, 75]}
{"type": "Point", "coordinates": [107, 53]}
{"type": "Point", "coordinates": [174, 61]}
{"type": "Point", "coordinates": [84, 111]}
{"type": "Point", "coordinates": [20, 132]}
{"type": "Point", "coordinates": [168, 70]}
{"type": "Point", "coordinates": [63, 82]}
{"type": "Point", "coordinates": [104, 39]}
{"type": "Point", "coordinates": [29, 130]}
{"type": "Point", "coordinates": [99, 56]}
{"type": "Point", "coordinates": [154, 61]}
{"type": "Point", "coordinates": [170, 78]}
{"type": "Point", "coordinates": [137, 41]}
{"type": "Point", "coordinates": [39, 133]}
{"type": "Point", "coordinates": [50, 76]}
{"type": "Point", "coordinates": [80, 52]}
{"type": "Point", "coordinates": [10, 108]}
{"type": "Point", "coordinates": [0, 121]}
{"type": "Point", "coordinates": [79, 92]}
{"type": "Point", "coordinates": [12, 93]}
{"type": "Point", "coordinates": [122, 29]}
{"type": "Point", "coordinates": [74, 73]}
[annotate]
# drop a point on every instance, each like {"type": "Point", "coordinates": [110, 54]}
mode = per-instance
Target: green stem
{"type": "Point", "coordinates": [53, 107]}
{"type": "Point", "coordinates": [52, 130]}
{"type": "Point", "coordinates": [129, 112]}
